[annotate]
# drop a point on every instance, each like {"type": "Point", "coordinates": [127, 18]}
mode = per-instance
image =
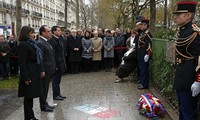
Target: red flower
{"type": "Point", "coordinates": [147, 108]}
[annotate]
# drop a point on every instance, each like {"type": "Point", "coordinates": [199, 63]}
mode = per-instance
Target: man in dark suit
{"type": "Point", "coordinates": [58, 48]}
{"type": "Point", "coordinates": [48, 66]}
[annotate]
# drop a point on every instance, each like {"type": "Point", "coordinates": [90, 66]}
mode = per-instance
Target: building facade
{"type": "Point", "coordinates": [35, 13]}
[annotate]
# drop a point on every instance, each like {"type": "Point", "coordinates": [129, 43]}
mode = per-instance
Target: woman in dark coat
{"type": "Point", "coordinates": [128, 64]}
{"type": "Point", "coordinates": [87, 51]}
{"type": "Point", "coordinates": [29, 63]}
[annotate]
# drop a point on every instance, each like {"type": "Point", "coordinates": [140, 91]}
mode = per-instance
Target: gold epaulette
{"type": "Point", "coordinates": [196, 28]}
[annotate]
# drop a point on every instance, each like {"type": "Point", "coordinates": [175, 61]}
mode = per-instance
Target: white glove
{"type": "Point", "coordinates": [146, 58]}
{"type": "Point", "coordinates": [195, 88]}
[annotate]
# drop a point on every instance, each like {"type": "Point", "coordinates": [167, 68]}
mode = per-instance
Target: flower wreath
{"type": "Point", "coordinates": [150, 106]}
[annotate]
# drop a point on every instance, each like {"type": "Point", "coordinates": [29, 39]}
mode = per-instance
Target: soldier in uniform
{"type": "Point", "coordinates": [187, 75]}
{"type": "Point", "coordinates": [143, 53]}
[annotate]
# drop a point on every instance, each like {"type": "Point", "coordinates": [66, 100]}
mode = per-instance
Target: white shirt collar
{"type": "Point", "coordinates": [43, 38]}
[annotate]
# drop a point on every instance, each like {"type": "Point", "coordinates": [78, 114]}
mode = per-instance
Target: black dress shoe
{"type": "Point", "coordinates": [62, 96]}
{"type": "Point", "coordinates": [141, 87]}
{"type": "Point", "coordinates": [47, 109]}
{"type": "Point", "coordinates": [49, 106]}
{"type": "Point", "coordinates": [58, 98]}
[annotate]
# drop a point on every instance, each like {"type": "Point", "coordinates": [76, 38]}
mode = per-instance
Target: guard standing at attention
{"type": "Point", "coordinates": [187, 47]}
{"type": "Point", "coordinates": [143, 53]}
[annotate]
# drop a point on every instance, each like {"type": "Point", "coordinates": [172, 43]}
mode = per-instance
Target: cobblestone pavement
{"type": "Point", "coordinates": [92, 90]}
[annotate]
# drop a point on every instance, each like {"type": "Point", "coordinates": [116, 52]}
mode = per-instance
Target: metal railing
{"type": "Point", "coordinates": [162, 72]}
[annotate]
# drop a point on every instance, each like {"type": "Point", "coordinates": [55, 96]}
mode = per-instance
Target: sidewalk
{"type": "Point", "coordinates": [92, 96]}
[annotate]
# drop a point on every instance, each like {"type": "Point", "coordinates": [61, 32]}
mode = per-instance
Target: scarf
{"type": "Point", "coordinates": [38, 50]}
{"type": "Point", "coordinates": [132, 44]}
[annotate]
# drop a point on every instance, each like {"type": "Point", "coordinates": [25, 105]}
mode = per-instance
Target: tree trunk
{"type": "Point", "coordinates": [77, 14]}
{"type": "Point", "coordinates": [165, 14]}
{"type": "Point", "coordinates": [152, 15]}
{"type": "Point", "coordinates": [18, 16]}
{"type": "Point", "coordinates": [66, 14]}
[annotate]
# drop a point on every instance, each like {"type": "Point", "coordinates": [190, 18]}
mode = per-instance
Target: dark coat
{"type": "Point", "coordinates": [13, 52]}
{"type": "Point", "coordinates": [185, 74]}
{"type": "Point", "coordinates": [48, 62]}
{"type": "Point", "coordinates": [58, 48]}
{"type": "Point", "coordinates": [74, 56]}
{"type": "Point", "coordinates": [4, 48]}
{"type": "Point", "coordinates": [130, 63]}
{"type": "Point", "coordinates": [29, 70]}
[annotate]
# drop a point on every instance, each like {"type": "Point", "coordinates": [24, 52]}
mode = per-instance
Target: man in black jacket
{"type": "Point", "coordinates": [58, 48]}
{"type": "Point", "coordinates": [48, 66]}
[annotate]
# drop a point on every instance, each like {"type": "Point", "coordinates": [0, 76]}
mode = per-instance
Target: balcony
{"type": "Point", "coordinates": [36, 14]}
{"type": "Point", "coordinates": [25, 11]}
{"type": "Point", "coordinates": [5, 6]}
{"type": "Point", "coordinates": [61, 14]}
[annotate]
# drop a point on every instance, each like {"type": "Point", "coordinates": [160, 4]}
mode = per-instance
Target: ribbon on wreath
{"type": "Point", "coordinates": [150, 106]}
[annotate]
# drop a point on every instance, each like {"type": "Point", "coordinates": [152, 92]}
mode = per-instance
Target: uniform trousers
{"type": "Point", "coordinates": [144, 73]}
{"type": "Point", "coordinates": [187, 105]}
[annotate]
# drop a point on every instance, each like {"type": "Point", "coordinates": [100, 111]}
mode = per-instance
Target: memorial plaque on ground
{"type": "Point", "coordinates": [170, 53]}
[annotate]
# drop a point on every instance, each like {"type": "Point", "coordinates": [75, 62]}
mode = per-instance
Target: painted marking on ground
{"type": "Point", "coordinates": [101, 112]}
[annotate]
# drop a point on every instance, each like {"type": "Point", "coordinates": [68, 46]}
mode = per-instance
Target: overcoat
{"type": "Point", "coordinates": [74, 42]}
{"type": "Point", "coordinates": [109, 43]}
{"type": "Point", "coordinates": [29, 70]}
{"type": "Point", "coordinates": [58, 48]}
{"type": "Point", "coordinates": [96, 47]}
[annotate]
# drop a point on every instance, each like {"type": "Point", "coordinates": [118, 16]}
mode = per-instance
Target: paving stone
{"type": "Point", "coordinates": [97, 88]}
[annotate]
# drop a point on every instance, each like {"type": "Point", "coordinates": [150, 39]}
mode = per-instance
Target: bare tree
{"type": "Point", "coordinates": [77, 14]}
{"type": "Point", "coordinates": [85, 15]}
{"type": "Point", "coordinates": [66, 14]}
{"type": "Point", "coordinates": [18, 16]}
{"type": "Point", "coordinates": [152, 14]}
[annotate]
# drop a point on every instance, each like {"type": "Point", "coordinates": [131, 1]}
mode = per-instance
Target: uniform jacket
{"type": "Point", "coordinates": [29, 70]}
{"type": "Point", "coordinates": [58, 48]}
{"type": "Point", "coordinates": [48, 62]}
{"type": "Point", "coordinates": [108, 43]}
{"type": "Point", "coordinates": [144, 44]}
{"type": "Point", "coordinates": [185, 73]}
{"type": "Point", "coordinates": [74, 56]}
{"type": "Point", "coordinates": [96, 45]}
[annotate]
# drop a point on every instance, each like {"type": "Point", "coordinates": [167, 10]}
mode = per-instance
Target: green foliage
{"type": "Point", "coordinates": [163, 72]}
{"type": "Point", "coordinates": [11, 83]}
{"type": "Point", "coordinates": [162, 33]}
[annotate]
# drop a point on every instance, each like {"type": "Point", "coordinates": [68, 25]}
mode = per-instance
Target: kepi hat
{"type": "Point", "coordinates": [184, 7]}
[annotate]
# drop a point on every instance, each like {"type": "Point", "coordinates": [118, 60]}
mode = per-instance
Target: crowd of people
{"type": "Point", "coordinates": [57, 51]}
